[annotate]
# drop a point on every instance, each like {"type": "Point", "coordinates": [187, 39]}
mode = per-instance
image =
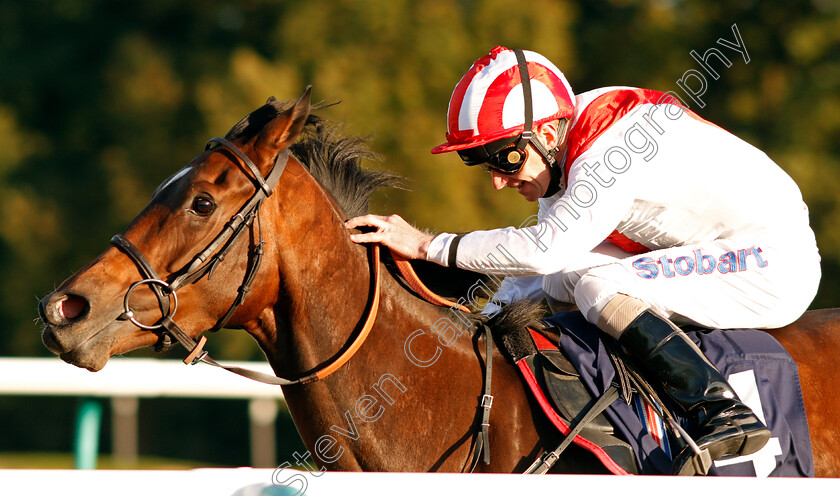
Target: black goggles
{"type": "Point", "coordinates": [503, 156]}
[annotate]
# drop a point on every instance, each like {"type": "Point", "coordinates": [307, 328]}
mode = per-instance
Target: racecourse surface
{"type": "Point", "coordinates": [258, 482]}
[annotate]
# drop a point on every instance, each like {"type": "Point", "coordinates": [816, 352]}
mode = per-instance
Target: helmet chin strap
{"type": "Point", "coordinates": [527, 136]}
{"type": "Point", "coordinates": [555, 181]}
{"type": "Point", "coordinates": [555, 168]}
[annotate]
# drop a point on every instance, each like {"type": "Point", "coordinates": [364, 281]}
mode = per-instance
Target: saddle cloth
{"type": "Point", "coordinates": [562, 396]}
{"type": "Point", "coordinates": [762, 373]}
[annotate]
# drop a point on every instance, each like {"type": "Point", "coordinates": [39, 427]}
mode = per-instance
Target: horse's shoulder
{"type": "Point", "coordinates": [817, 320]}
{"type": "Point", "coordinates": [815, 331]}
{"type": "Point", "coordinates": [821, 313]}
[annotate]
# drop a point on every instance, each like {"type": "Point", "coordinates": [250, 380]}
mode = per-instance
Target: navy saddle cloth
{"type": "Point", "coordinates": [762, 373]}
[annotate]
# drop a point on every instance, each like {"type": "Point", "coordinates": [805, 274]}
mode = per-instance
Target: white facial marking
{"type": "Point", "coordinates": [171, 180]}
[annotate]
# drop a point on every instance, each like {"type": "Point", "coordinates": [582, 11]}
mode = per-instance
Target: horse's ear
{"type": "Point", "coordinates": [284, 129]}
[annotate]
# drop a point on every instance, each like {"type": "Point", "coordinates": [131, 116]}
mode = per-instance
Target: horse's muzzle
{"type": "Point", "coordinates": [62, 309]}
{"type": "Point", "coordinates": [57, 311]}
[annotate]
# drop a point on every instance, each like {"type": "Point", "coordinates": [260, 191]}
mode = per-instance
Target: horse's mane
{"type": "Point", "coordinates": [335, 161]}
{"type": "Point", "coordinates": [518, 315]}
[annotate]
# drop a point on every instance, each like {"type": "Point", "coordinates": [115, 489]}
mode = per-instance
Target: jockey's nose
{"type": "Point", "coordinates": [499, 180]}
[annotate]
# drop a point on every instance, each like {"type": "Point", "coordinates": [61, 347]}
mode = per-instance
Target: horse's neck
{"type": "Point", "coordinates": [362, 405]}
{"type": "Point", "coordinates": [418, 374]}
{"type": "Point", "coordinates": [320, 281]}
{"type": "Point", "coordinates": [322, 292]}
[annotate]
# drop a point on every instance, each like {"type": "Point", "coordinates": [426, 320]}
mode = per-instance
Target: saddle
{"type": "Point", "coordinates": [565, 401]}
{"type": "Point", "coordinates": [570, 369]}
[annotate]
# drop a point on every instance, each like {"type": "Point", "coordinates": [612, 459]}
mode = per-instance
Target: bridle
{"type": "Point", "coordinates": [205, 262]}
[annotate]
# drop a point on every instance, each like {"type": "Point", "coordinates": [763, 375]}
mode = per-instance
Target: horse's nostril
{"type": "Point", "coordinates": [72, 307]}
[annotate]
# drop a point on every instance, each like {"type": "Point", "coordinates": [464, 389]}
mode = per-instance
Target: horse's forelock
{"type": "Point", "coordinates": [253, 123]}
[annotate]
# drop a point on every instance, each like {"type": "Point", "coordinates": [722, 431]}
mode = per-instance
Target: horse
{"type": "Point", "coordinates": [406, 399]}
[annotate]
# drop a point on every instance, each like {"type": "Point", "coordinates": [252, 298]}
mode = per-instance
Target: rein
{"type": "Point", "coordinates": [417, 285]}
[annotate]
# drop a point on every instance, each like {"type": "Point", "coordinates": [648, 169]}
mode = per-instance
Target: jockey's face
{"type": "Point", "coordinates": [531, 181]}
{"type": "Point", "coordinates": [534, 178]}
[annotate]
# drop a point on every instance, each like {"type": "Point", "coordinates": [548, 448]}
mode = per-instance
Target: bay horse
{"type": "Point", "coordinates": [407, 399]}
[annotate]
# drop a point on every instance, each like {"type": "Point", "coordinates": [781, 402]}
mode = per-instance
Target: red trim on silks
{"type": "Point", "coordinates": [653, 424]}
{"type": "Point", "coordinates": [584, 443]}
{"type": "Point", "coordinates": [608, 109]}
{"type": "Point", "coordinates": [627, 244]}
{"type": "Point", "coordinates": [601, 114]}
{"type": "Point", "coordinates": [597, 118]}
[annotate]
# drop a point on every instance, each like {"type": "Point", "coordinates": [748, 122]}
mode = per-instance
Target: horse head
{"type": "Point", "coordinates": [189, 244]}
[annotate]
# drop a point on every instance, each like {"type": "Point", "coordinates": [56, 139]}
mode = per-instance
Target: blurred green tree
{"type": "Point", "coordinates": [102, 100]}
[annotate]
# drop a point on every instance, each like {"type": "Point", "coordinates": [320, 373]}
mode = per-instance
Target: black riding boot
{"type": "Point", "coordinates": [725, 426]}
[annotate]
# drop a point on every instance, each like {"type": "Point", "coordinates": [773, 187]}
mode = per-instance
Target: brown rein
{"type": "Point", "coordinates": [368, 325]}
{"type": "Point", "coordinates": [417, 285]}
{"type": "Point", "coordinates": [197, 354]}
{"type": "Point", "coordinates": [195, 348]}
{"type": "Point", "coordinates": [412, 280]}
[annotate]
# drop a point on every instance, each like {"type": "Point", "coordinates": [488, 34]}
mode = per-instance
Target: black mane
{"type": "Point", "coordinates": [334, 161]}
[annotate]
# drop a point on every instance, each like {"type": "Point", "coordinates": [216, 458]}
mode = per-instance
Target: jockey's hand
{"type": "Point", "coordinates": [394, 232]}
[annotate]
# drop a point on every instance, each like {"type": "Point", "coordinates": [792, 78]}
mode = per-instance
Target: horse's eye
{"type": "Point", "coordinates": [203, 205]}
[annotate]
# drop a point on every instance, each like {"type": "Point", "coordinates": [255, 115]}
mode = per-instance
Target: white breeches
{"type": "Point", "coordinates": [718, 284]}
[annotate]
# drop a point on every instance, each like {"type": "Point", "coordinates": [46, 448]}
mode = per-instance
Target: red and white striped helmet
{"type": "Point", "coordinates": [487, 103]}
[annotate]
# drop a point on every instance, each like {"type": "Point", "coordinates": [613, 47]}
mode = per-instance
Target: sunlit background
{"type": "Point", "coordinates": [102, 100]}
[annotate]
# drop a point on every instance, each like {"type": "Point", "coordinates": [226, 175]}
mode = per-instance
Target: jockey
{"type": "Point", "coordinates": [649, 217]}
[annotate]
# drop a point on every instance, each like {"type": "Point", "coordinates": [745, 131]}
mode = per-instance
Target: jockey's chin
{"type": "Point", "coordinates": [530, 191]}
{"type": "Point", "coordinates": [532, 186]}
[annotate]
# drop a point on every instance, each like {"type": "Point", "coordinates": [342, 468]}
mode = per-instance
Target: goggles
{"type": "Point", "coordinates": [502, 156]}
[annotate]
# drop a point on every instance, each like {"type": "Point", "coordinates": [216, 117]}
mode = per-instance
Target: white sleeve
{"type": "Point", "coordinates": [597, 199]}
{"type": "Point", "coordinates": [438, 250]}
{"type": "Point", "coordinates": [577, 222]}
